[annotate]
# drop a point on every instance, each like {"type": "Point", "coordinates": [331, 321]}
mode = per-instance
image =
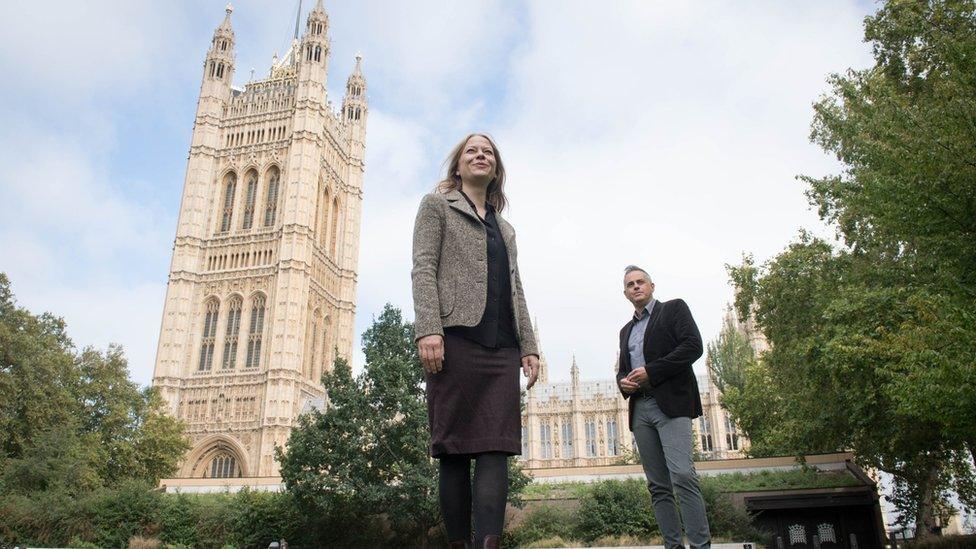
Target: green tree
{"type": "Point", "coordinates": [842, 332]}
{"type": "Point", "coordinates": [905, 131]}
{"type": "Point", "coordinates": [73, 427]}
{"type": "Point", "coordinates": [728, 357]}
{"type": "Point", "coordinates": [874, 343]}
{"type": "Point", "coordinates": [367, 452]}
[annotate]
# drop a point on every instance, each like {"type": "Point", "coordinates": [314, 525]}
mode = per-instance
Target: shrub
{"type": "Point", "coordinates": [726, 520]}
{"type": "Point", "coordinates": [614, 508]}
{"type": "Point", "coordinates": [545, 521]}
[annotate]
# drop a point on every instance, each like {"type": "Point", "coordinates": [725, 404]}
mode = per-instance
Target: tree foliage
{"type": "Point", "coordinates": [729, 357]}
{"type": "Point", "coordinates": [61, 406]}
{"type": "Point", "coordinates": [874, 341]}
{"type": "Point", "coordinates": [367, 452]}
{"type": "Point", "coordinates": [73, 428]}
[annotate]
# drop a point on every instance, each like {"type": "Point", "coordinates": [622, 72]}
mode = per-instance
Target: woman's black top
{"type": "Point", "coordinates": [497, 326]}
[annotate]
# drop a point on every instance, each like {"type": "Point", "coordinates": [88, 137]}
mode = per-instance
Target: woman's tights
{"type": "Point", "coordinates": [489, 495]}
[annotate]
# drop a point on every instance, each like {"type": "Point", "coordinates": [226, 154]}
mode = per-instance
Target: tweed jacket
{"type": "Point", "coordinates": [450, 269]}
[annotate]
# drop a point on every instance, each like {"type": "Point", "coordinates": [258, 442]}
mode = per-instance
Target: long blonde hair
{"type": "Point", "coordinates": [452, 181]}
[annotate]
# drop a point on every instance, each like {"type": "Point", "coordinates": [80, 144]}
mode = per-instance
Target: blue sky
{"type": "Point", "coordinates": [666, 134]}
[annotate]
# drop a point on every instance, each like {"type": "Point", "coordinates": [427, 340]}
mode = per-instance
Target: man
{"type": "Point", "coordinates": [657, 349]}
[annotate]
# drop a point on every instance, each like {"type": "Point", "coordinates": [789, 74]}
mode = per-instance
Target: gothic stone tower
{"type": "Point", "coordinates": [262, 285]}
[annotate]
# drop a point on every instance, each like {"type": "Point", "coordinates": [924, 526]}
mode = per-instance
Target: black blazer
{"type": "Point", "coordinates": [672, 344]}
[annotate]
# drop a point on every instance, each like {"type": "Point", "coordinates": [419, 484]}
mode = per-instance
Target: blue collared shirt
{"type": "Point", "coordinates": [636, 342]}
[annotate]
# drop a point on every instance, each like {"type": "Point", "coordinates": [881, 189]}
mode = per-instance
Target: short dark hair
{"type": "Point", "coordinates": [631, 268]}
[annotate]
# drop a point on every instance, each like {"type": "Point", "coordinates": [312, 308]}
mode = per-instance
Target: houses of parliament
{"type": "Point", "coordinates": [262, 285]}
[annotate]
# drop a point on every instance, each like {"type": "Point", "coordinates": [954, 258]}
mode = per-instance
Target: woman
{"type": "Point", "coordinates": [473, 331]}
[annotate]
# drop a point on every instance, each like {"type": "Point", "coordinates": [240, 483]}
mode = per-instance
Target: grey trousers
{"type": "Point", "coordinates": [665, 446]}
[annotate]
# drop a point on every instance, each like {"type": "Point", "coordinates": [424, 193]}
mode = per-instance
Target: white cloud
{"type": "Point", "coordinates": [666, 135]}
{"type": "Point", "coordinates": [76, 50]}
{"type": "Point", "coordinates": [662, 133]}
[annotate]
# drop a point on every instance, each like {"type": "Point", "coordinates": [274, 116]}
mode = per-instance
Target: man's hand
{"type": "Point", "coordinates": [627, 386]}
{"type": "Point", "coordinates": [530, 369]}
{"type": "Point", "coordinates": [431, 349]}
{"type": "Point", "coordinates": [638, 376]}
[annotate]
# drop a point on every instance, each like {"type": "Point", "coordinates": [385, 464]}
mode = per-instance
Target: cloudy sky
{"type": "Point", "coordinates": [666, 134]}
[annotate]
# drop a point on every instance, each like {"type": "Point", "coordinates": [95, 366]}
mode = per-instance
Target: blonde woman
{"type": "Point", "coordinates": [473, 332]}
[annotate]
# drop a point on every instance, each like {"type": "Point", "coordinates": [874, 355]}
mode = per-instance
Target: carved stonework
{"type": "Point", "coordinates": [236, 235]}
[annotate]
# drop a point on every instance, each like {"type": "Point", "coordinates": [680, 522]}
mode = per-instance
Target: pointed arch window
{"type": "Point", "coordinates": [318, 53]}
{"type": "Point", "coordinates": [311, 354]}
{"type": "Point", "coordinates": [232, 334]}
{"type": "Point", "coordinates": [545, 437]}
{"type": "Point", "coordinates": [251, 190]}
{"type": "Point", "coordinates": [323, 222]}
{"type": "Point", "coordinates": [271, 200]}
{"type": "Point", "coordinates": [591, 438]}
{"type": "Point", "coordinates": [731, 433]}
{"type": "Point", "coordinates": [213, 68]}
{"type": "Point", "coordinates": [308, 52]}
{"type": "Point", "coordinates": [254, 333]}
{"type": "Point", "coordinates": [209, 333]}
{"type": "Point", "coordinates": [335, 226]}
{"type": "Point", "coordinates": [705, 430]}
{"type": "Point", "coordinates": [230, 184]}
{"type": "Point", "coordinates": [567, 436]}
{"type": "Point", "coordinates": [612, 448]}
{"type": "Point", "coordinates": [224, 465]}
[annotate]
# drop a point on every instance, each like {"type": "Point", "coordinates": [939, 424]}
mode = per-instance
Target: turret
{"type": "Point", "coordinates": [312, 55]}
{"type": "Point", "coordinates": [218, 69]}
{"type": "Point", "coordinates": [543, 363]}
{"type": "Point", "coordinates": [574, 375]}
{"type": "Point", "coordinates": [355, 108]}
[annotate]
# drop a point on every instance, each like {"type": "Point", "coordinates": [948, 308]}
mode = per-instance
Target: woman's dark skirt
{"type": "Point", "coordinates": [473, 402]}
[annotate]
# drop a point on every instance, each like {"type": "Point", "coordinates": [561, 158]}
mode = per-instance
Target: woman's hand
{"type": "Point", "coordinates": [431, 349]}
{"type": "Point", "coordinates": [530, 369]}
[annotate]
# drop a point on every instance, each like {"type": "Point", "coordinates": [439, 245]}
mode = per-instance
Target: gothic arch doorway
{"type": "Point", "coordinates": [217, 456]}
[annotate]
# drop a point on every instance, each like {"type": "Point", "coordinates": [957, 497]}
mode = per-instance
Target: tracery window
{"type": "Point", "coordinates": [567, 435]}
{"type": "Point", "coordinates": [249, 197]}
{"type": "Point", "coordinates": [224, 466]}
{"type": "Point", "coordinates": [731, 433]}
{"type": "Point", "coordinates": [231, 334]}
{"type": "Point", "coordinates": [323, 224]}
{"type": "Point", "coordinates": [311, 355]}
{"type": "Point", "coordinates": [209, 333]}
{"type": "Point", "coordinates": [254, 333]}
{"type": "Point", "coordinates": [525, 443]}
{"type": "Point", "coordinates": [271, 200]}
{"type": "Point", "coordinates": [335, 226]}
{"type": "Point", "coordinates": [706, 434]}
{"type": "Point", "coordinates": [230, 184]}
{"type": "Point", "coordinates": [545, 437]}
{"type": "Point", "coordinates": [591, 438]}
{"type": "Point", "coordinates": [612, 448]}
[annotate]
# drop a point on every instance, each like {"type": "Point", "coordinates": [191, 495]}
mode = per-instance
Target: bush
{"type": "Point", "coordinates": [614, 508]}
{"type": "Point", "coordinates": [728, 521]}
{"type": "Point", "coordinates": [545, 521]}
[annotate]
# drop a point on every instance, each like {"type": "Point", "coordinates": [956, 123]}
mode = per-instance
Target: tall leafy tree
{"type": "Point", "coordinates": [51, 394]}
{"type": "Point", "coordinates": [874, 341]}
{"type": "Point", "coordinates": [729, 356]}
